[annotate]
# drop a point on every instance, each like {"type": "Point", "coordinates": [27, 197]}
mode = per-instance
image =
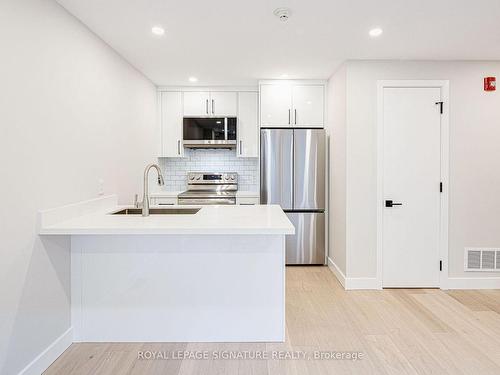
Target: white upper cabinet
{"type": "Point", "coordinates": [308, 105]}
{"type": "Point", "coordinates": [196, 104]}
{"type": "Point", "coordinates": [210, 104]}
{"type": "Point", "coordinates": [275, 105]}
{"type": "Point", "coordinates": [175, 105]}
{"type": "Point", "coordinates": [171, 124]}
{"type": "Point", "coordinates": [248, 128]}
{"type": "Point", "coordinates": [223, 103]}
{"type": "Point", "coordinates": [292, 104]}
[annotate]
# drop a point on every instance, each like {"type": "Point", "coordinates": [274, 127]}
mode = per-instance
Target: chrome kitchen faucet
{"type": "Point", "coordinates": [145, 197]}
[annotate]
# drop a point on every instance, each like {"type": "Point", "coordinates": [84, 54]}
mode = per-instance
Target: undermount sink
{"type": "Point", "coordinates": [158, 211]}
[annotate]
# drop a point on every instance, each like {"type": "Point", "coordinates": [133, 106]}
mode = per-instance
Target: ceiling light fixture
{"type": "Point", "coordinates": [158, 30]}
{"type": "Point", "coordinates": [193, 79]}
{"type": "Point", "coordinates": [284, 76]}
{"type": "Point", "coordinates": [377, 31]}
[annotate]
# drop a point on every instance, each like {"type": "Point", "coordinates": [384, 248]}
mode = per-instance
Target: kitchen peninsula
{"type": "Point", "coordinates": [211, 273]}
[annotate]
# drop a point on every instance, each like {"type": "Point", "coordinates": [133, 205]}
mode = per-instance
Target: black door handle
{"type": "Point", "coordinates": [390, 203]}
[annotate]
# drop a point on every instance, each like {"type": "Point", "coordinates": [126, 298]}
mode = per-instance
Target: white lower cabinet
{"type": "Point", "coordinates": [248, 200]}
{"type": "Point", "coordinates": [171, 125]}
{"type": "Point", "coordinates": [248, 125]}
{"type": "Point", "coordinates": [163, 201]}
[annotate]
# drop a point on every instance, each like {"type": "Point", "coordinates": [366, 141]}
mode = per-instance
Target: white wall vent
{"type": "Point", "coordinates": [482, 259]}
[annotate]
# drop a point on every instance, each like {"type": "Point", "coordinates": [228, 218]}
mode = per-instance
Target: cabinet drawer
{"type": "Point", "coordinates": [163, 201]}
{"type": "Point", "coordinates": [247, 200]}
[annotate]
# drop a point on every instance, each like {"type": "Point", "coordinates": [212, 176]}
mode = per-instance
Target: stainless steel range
{"type": "Point", "coordinates": [210, 188]}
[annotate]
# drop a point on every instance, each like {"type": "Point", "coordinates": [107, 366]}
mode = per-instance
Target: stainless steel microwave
{"type": "Point", "coordinates": [213, 132]}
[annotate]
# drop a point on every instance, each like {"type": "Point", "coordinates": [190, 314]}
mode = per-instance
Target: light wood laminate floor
{"type": "Point", "coordinates": [400, 331]}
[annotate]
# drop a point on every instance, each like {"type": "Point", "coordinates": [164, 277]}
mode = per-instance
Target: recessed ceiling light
{"type": "Point", "coordinates": [284, 76]}
{"type": "Point", "coordinates": [193, 79]}
{"type": "Point", "coordinates": [377, 31]}
{"type": "Point", "coordinates": [158, 30]}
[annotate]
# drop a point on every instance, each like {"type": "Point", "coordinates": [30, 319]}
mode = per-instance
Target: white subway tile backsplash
{"type": "Point", "coordinates": [210, 160]}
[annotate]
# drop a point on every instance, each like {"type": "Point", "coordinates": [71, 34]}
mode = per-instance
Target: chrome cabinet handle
{"type": "Point", "coordinates": [179, 147]}
{"type": "Point", "coordinates": [240, 147]}
{"type": "Point", "coordinates": [207, 106]}
{"type": "Point", "coordinates": [289, 115]}
{"type": "Point", "coordinates": [295, 115]}
{"type": "Point", "coordinates": [213, 106]}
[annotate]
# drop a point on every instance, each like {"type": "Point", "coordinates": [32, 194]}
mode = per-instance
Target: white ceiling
{"type": "Point", "coordinates": [238, 42]}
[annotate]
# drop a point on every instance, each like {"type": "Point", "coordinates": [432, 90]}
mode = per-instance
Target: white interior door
{"type": "Point", "coordinates": [411, 178]}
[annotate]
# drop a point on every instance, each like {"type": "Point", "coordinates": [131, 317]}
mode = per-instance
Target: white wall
{"type": "Point", "coordinates": [71, 112]}
{"type": "Point", "coordinates": [336, 127]}
{"type": "Point", "coordinates": [474, 158]}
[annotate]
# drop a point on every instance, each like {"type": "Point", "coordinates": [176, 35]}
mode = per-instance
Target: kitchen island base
{"type": "Point", "coordinates": [178, 288]}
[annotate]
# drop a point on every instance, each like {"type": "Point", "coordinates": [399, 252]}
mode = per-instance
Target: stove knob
{"type": "Point", "coordinates": [198, 177]}
{"type": "Point", "coordinates": [191, 177]}
{"type": "Point", "coordinates": [233, 177]}
{"type": "Point", "coordinates": [226, 177]}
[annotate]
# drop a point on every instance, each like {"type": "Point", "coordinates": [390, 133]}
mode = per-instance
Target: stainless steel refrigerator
{"type": "Point", "coordinates": [292, 174]}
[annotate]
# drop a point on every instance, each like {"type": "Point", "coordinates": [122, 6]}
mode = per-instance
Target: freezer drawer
{"type": "Point", "coordinates": [309, 169]}
{"type": "Point", "coordinates": [307, 245]}
{"type": "Point", "coordinates": [276, 167]}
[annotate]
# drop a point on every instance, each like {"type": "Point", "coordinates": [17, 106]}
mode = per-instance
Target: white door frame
{"type": "Point", "coordinates": [445, 149]}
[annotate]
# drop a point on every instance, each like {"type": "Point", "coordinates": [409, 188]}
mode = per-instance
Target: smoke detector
{"type": "Point", "coordinates": [282, 13]}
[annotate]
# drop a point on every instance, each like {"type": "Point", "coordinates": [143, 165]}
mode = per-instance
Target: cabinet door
{"type": "Point", "coordinates": [223, 104]}
{"type": "Point", "coordinates": [275, 105]}
{"type": "Point", "coordinates": [308, 105]}
{"type": "Point", "coordinates": [248, 127]}
{"type": "Point", "coordinates": [196, 103]}
{"type": "Point", "coordinates": [171, 124]}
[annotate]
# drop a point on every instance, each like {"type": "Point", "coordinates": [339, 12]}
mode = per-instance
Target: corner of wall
{"type": "Point", "coordinates": [336, 126]}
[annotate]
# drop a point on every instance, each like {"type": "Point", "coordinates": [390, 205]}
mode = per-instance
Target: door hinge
{"type": "Point", "coordinates": [440, 265]}
{"type": "Point", "coordinates": [440, 106]}
{"type": "Point", "coordinates": [440, 187]}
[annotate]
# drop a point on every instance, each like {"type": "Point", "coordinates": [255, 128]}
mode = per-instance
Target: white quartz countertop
{"type": "Point", "coordinates": [257, 219]}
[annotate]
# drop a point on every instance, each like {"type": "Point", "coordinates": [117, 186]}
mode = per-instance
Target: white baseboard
{"type": "Point", "coordinates": [337, 272]}
{"type": "Point", "coordinates": [49, 355]}
{"type": "Point", "coordinates": [473, 283]}
{"type": "Point", "coordinates": [356, 283]}
{"type": "Point", "coordinates": [353, 283]}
